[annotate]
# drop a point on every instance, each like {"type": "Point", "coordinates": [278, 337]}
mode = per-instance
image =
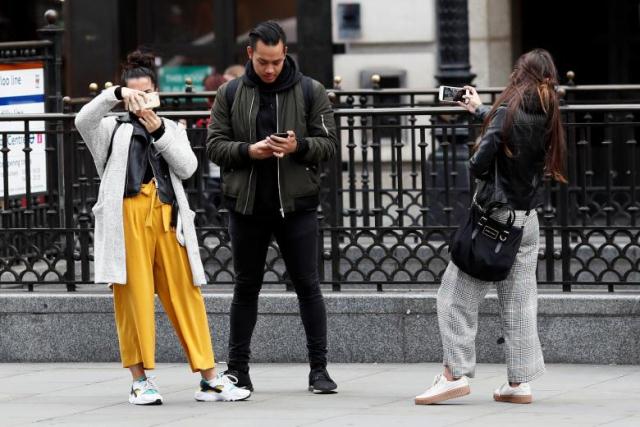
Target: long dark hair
{"type": "Point", "coordinates": [532, 88]}
{"type": "Point", "coordinates": [139, 64]}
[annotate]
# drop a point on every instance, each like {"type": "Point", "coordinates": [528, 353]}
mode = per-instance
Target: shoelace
{"type": "Point", "coordinates": [320, 375]}
{"type": "Point", "coordinates": [437, 379]}
{"type": "Point", "coordinates": [231, 379]}
{"type": "Point", "coordinates": [149, 384]}
{"type": "Point", "coordinates": [228, 379]}
{"type": "Point", "coordinates": [507, 387]}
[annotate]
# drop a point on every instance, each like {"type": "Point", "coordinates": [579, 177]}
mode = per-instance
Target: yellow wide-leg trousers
{"type": "Point", "coordinates": [157, 263]}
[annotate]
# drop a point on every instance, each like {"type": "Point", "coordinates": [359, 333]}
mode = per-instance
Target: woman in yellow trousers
{"type": "Point", "coordinates": [144, 239]}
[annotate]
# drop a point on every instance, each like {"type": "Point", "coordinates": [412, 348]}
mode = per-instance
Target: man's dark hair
{"type": "Point", "coordinates": [269, 32]}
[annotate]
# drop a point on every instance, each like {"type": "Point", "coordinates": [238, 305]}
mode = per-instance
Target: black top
{"type": "Point", "coordinates": [519, 175]}
{"type": "Point", "coordinates": [267, 200]}
{"type": "Point", "coordinates": [144, 162]}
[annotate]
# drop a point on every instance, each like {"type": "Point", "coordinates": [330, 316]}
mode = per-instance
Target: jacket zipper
{"type": "Point", "coordinates": [323, 125]}
{"type": "Point", "coordinates": [150, 154]}
{"type": "Point", "coordinates": [126, 173]}
{"type": "Point", "coordinates": [153, 170]}
{"type": "Point", "coordinates": [246, 203]}
{"type": "Point", "coordinates": [278, 160]}
{"type": "Point", "coordinates": [244, 211]}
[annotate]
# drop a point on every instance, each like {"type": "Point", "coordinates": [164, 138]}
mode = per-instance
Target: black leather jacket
{"type": "Point", "coordinates": [519, 177]}
{"type": "Point", "coordinates": [144, 163]}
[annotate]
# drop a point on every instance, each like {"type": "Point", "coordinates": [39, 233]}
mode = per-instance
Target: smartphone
{"type": "Point", "coordinates": [452, 93]}
{"type": "Point", "coordinates": [281, 134]}
{"type": "Point", "coordinates": [151, 101]}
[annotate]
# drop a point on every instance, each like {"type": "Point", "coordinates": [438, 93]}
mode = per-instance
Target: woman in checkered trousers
{"type": "Point", "coordinates": [522, 132]}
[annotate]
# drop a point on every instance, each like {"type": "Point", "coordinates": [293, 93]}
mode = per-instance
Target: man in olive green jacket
{"type": "Point", "coordinates": [268, 132]}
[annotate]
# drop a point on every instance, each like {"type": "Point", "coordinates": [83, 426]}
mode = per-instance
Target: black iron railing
{"type": "Point", "coordinates": [376, 97]}
{"type": "Point", "coordinates": [390, 201]}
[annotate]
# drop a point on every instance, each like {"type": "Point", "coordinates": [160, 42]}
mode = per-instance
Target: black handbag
{"type": "Point", "coordinates": [485, 248]}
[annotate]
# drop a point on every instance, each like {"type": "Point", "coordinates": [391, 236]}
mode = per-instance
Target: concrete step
{"type": "Point", "coordinates": [363, 327]}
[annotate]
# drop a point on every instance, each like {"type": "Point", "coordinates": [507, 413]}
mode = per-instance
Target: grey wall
{"type": "Point", "coordinates": [602, 329]}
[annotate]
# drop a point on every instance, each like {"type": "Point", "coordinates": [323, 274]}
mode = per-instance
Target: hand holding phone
{"type": "Point", "coordinates": [260, 150]}
{"type": "Point", "coordinates": [471, 100]}
{"type": "Point", "coordinates": [150, 120]}
{"type": "Point", "coordinates": [150, 101]}
{"type": "Point", "coordinates": [281, 135]}
{"type": "Point", "coordinates": [280, 149]}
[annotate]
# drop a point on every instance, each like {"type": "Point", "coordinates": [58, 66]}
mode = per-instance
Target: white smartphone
{"type": "Point", "coordinates": [452, 93]}
{"type": "Point", "coordinates": [151, 101]}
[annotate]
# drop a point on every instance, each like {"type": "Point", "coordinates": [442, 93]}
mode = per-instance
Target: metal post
{"type": "Point", "coordinates": [315, 40]}
{"type": "Point", "coordinates": [54, 104]}
{"type": "Point", "coordinates": [334, 175]}
{"type": "Point", "coordinates": [53, 66]}
{"type": "Point", "coordinates": [224, 26]}
{"type": "Point", "coordinates": [452, 20]}
{"type": "Point", "coordinates": [454, 69]}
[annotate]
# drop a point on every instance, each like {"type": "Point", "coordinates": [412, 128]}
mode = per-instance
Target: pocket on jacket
{"type": "Point", "coordinates": [233, 181]}
{"type": "Point", "coordinates": [98, 209]}
{"type": "Point", "coordinates": [192, 216]}
{"type": "Point", "coordinates": [314, 179]}
{"type": "Point", "coordinates": [304, 181]}
{"type": "Point", "coordinates": [180, 227]}
{"type": "Point", "coordinates": [98, 228]}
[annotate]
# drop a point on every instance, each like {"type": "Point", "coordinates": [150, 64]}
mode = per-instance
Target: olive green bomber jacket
{"type": "Point", "coordinates": [232, 129]}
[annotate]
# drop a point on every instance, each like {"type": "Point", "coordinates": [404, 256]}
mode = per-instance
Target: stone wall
{"type": "Point", "coordinates": [363, 327]}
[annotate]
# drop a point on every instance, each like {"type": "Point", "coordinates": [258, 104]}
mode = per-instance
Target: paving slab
{"type": "Point", "coordinates": [376, 394]}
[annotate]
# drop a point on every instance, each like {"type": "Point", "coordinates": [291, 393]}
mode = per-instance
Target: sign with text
{"type": "Point", "coordinates": [22, 92]}
{"type": "Point", "coordinates": [171, 78]}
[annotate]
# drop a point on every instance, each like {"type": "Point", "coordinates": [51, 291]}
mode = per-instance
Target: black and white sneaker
{"type": "Point", "coordinates": [221, 388]}
{"type": "Point", "coordinates": [320, 382]}
{"type": "Point", "coordinates": [244, 380]}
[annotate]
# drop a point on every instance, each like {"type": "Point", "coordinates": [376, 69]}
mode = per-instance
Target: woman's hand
{"type": "Point", "coordinates": [471, 100]}
{"type": "Point", "coordinates": [150, 120]}
{"type": "Point", "coordinates": [133, 99]}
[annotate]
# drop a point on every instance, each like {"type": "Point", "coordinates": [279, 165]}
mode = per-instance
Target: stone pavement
{"type": "Point", "coordinates": [81, 394]}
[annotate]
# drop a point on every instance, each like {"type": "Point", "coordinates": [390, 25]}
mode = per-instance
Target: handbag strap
{"type": "Point", "coordinates": [495, 206]}
{"type": "Point", "coordinates": [495, 186]}
{"type": "Point", "coordinates": [495, 173]}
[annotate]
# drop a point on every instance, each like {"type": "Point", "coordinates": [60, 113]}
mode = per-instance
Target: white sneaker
{"type": "Point", "coordinates": [520, 394]}
{"type": "Point", "coordinates": [442, 390]}
{"type": "Point", "coordinates": [145, 392]}
{"type": "Point", "coordinates": [221, 388]}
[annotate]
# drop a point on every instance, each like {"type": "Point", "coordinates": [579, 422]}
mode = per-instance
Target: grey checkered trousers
{"type": "Point", "coordinates": [460, 295]}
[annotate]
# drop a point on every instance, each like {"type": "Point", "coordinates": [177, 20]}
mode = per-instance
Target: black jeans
{"type": "Point", "coordinates": [297, 238]}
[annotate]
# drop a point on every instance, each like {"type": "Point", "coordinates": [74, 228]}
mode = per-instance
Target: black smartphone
{"type": "Point", "coordinates": [281, 135]}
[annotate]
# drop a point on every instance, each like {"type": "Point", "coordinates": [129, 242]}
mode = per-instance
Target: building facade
{"type": "Point", "coordinates": [350, 38]}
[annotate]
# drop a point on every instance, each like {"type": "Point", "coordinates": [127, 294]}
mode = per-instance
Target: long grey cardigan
{"type": "Point", "coordinates": [109, 247]}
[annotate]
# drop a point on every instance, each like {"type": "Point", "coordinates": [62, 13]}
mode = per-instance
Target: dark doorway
{"type": "Point", "coordinates": [20, 19]}
{"type": "Point", "coordinates": [599, 41]}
